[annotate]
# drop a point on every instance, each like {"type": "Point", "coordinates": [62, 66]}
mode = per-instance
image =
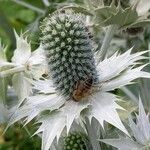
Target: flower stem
{"type": "Point", "coordinates": [106, 42]}
{"type": "Point", "coordinates": [92, 136]}
{"type": "Point", "coordinates": [29, 6]}
{"type": "Point", "coordinates": [11, 71]}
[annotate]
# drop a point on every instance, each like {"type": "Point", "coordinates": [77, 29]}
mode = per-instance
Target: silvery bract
{"type": "Point", "coordinates": [140, 130]}
{"type": "Point", "coordinates": [52, 104]}
{"type": "Point", "coordinates": [24, 63]}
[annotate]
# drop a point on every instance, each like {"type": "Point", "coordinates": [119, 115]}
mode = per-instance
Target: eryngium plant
{"type": "Point", "coordinates": [74, 76]}
{"type": "Point", "coordinates": [69, 51]}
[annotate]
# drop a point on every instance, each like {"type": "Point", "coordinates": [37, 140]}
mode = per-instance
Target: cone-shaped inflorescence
{"type": "Point", "coordinates": [69, 50]}
{"type": "Point", "coordinates": [75, 141]}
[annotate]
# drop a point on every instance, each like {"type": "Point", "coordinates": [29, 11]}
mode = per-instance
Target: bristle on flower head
{"type": "Point", "coordinates": [69, 50]}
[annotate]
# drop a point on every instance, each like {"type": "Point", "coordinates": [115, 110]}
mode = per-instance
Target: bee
{"type": "Point", "coordinates": [134, 31]}
{"type": "Point", "coordinates": [83, 89]}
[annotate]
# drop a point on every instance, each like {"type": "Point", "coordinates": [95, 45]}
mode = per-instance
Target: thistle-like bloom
{"type": "Point", "coordinates": [141, 133]}
{"type": "Point", "coordinates": [24, 63]}
{"type": "Point", "coordinates": [23, 59]}
{"type": "Point", "coordinates": [73, 69]}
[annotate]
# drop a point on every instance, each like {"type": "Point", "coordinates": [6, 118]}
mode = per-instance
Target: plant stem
{"type": "Point", "coordinates": [106, 42]}
{"type": "Point", "coordinates": [11, 71]}
{"type": "Point", "coordinates": [29, 6]}
{"type": "Point", "coordinates": [46, 3]}
{"type": "Point", "coordinates": [92, 136]}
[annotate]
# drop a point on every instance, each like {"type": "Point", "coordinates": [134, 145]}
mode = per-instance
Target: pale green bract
{"type": "Point", "coordinates": [140, 131]}
{"type": "Point", "coordinates": [56, 115]}
{"type": "Point", "coordinates": [134, 14]}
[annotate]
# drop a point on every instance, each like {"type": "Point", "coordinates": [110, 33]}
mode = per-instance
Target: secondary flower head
{"type": "Point", "coordinates": [73, 72]}
{"type": "Point", "coordinates": [23, 60]}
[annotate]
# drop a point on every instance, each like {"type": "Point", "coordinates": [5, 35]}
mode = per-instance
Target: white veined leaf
{"type": "Point", "coordinates": [33, 106]}
{"type": "Point", "coordinates": [103, 108]}
{"type": "Point", "coordinates": [72, 111]}
{"type": "Point", "coordinates": [23, 50]}
{"type": "Point", "coordinates": [51, 128]}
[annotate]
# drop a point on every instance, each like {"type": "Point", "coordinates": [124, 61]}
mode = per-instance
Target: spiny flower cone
{"type": "Point", "coordinates": [69, 50]}
{"type": "Point", "coordinates": [75, 141]}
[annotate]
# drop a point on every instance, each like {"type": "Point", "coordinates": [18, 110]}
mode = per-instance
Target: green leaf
{"type": "Point", "coordinates": [115, 15]}
{"type": "Point", "coordinates": [103, 13]}
{"type": "Point", "coordinates": [26, 15]}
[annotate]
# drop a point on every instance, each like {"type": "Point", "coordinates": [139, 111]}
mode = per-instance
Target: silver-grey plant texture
{"type": "Point", "coordinates": [72, 79]}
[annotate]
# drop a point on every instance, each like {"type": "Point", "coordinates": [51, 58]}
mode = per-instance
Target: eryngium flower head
{"type": "Point", "coordinates": [58, 115]}
{"type": "Point", "coordinates": [69, 50]}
